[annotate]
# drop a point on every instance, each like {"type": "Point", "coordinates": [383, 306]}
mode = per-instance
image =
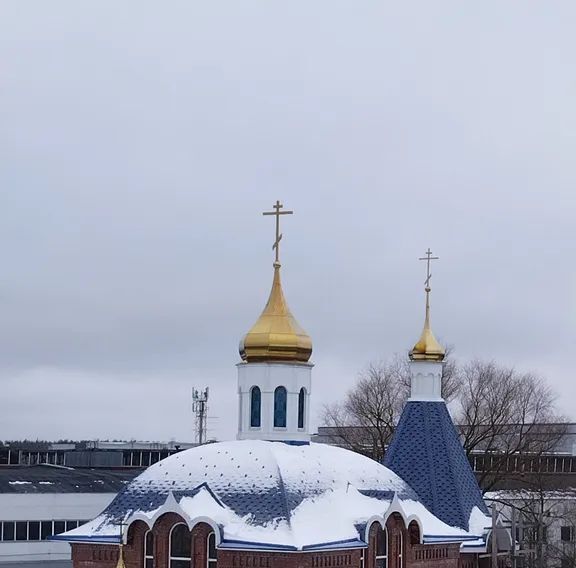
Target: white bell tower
{"type": "Point", "coordinates": [427, 355]}
{"type": "Point", "coordinates": [274, 401]}
{"type": "Point", "coordinates": [275, 375]}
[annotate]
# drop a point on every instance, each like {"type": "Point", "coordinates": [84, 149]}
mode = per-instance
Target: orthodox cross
{"type": "Point", "coordinates": [276, 246]}
{"type": "Point", "coordinates": [428, 258]}
{"type": "Point", "coordinates": [121, 526]}
{"type": "Point", "coordinates": [120, 563]}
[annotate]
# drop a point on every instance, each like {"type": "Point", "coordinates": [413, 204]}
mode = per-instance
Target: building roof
{"type": "Point", "coordinates": [55, 479]}
{"type": "Point", "coordinates": [268, 494]}
{"type": "Point", "coordinates": [426, 452]}
{"type": "Point", "coordinates": [38, 564]}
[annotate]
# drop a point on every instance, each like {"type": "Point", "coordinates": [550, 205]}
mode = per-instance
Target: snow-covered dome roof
{"type": "Point", "coordinates": [267, 493]}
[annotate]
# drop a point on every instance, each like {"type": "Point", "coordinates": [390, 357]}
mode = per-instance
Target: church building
{"type": "Point", "coordinates": [273, 499]}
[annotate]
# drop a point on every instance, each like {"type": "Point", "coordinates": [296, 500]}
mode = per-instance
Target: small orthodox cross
{"type": "Point", "coordinates": [276, 246]}
{"type": "Point", "coordinates": [121, 526]}
{"type": "Point", "coordinates": [428, 258]}
{"type": "Point", "coordinates": [121, 563]}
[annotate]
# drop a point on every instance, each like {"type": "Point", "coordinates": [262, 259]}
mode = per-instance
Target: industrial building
{"type": "Point", "coordinates": [47, 489]}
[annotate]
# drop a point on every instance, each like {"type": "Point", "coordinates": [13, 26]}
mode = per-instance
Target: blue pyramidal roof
{"type": "Point", "coordinates": [426, 453]}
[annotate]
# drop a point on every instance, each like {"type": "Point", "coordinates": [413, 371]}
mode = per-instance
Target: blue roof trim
{"type": "Point", "coordinates": [445, 541]}
{"type": "Point", "coordinates": [459, 537]}
{"type": "Point", "coordinates": [426, 453]}
{"type": "Point", "coordinates": [337, 544]}
{"type": "Point", "coordinates": [86, 538]}
{"type": "Point", "coordinates": [245, 545]}
{"type": "Point", "coordinates": [296, 442]}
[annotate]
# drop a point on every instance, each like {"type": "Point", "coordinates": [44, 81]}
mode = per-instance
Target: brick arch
{"type": "Point", "coordinates": [373, 528]}
{"type": "Point", "coordinates": [369, 561]}
{"type": "Point", "coordinates": [414, 535]}
{"type": "Point", "coordinates": [161, 531]}
{"type": "Point", "coordinates": [200, 534]}
{"type": "Point", "coordinates": [395, 521]}
{"type": "Point", "coordinates": [135, 531]}
{"type": "Point", "coordinates": [167, 521]}
{"type": "Point", "coordinates": [398, 542]}
{"type": "Point", "coordinates": [133, 551]}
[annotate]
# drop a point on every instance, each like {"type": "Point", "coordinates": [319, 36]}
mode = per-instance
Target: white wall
{"type": "Point", "coordinates": [46, 507]}
{"type": "Point", "coordinates": [559, 509]}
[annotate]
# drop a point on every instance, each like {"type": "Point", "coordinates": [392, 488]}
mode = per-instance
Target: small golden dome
{"type": "Point", "coordinates": [427, 348]}
{"type": "Point", "coordinates": [276, 336]}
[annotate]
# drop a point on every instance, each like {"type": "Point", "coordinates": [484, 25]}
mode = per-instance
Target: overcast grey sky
{"type": "Point", "coordinates": [140, 141]}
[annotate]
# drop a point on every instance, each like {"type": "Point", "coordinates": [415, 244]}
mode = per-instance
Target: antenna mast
{"type": "Point", "coordinates": [200, 409]}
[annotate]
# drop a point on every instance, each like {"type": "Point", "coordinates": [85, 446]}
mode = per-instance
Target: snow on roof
{"type": "Point", "coordinates": [53, 479]}
{"type": "Point", "coordinates": [269, 494]}
{"type": "Point", "coordinates": [479, 522]}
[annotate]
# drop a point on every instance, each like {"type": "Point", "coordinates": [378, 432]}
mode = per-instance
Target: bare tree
{"type": "Point", "coordinates": [504, 416]}
{"type": "Point", "coordinates": [366, 419]}
{"type": "Point", "coordinates": [507, 415]}
{"type": "Point", "coordinates": [545, 522]}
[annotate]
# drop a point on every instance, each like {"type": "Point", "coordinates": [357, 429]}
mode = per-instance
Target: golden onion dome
{"type": "Point", "coordinates": [427, 348]}
{"type": "Point", "coordinates": [276, 336]}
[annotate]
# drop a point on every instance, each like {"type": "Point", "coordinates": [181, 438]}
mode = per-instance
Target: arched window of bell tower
{"type": "Point", "coordinates": [280, 401]}
{"type": "Point", "coordinates": [301, 407]}
{"type": "Point", "coordinates": [255, 407]}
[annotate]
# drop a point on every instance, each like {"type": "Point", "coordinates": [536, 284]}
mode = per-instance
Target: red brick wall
{"type": "Point", "coordinates": [241, 559]}
{"type": "Point", "coordinates": [94, 556]}
{"type": "Point", "coordinates": [486, 562]}
{"type": "Point", "coordinates": [106, 556]}
{"type": "Point", "coordinates": [436, 556]}
{"type": "Point", "coordinates": [468, 561]}
{"type": "Point", "coordinates": [414, 555]}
